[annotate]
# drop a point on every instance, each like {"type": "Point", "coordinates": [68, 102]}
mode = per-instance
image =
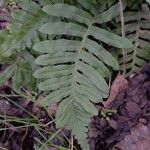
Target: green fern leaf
{"type": "Point", "coordinates": [7, 74]}
{"type": "Point", "coordinates": [74, 70]}
{"type": "Point", "coordinates": [148, 1]}
{"type": "Point", "coordinates": [137, 25]}
{"type": "Point", "coordinates": [23, 31]}
{"type": "Point", "coordinates": [23, 75]}
{"type": "Point", "coordinates": [18, 39]}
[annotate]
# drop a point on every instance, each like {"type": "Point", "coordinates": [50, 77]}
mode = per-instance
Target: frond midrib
{"type": "Point", "coordinates": [77, 59]}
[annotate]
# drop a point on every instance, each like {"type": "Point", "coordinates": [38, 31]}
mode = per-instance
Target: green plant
{"type": "Point", "coordinates": [137, 25]}
{"type": "Point", "coordinates": [107, 113]}
{"type": "Point", "coordinates": [17, 41]}
{"type": "Point", "coordinates": [70, 56]}
{"type": "Point", "coordinates": [16, 45]}
{"type": "Point", "coordinates": [75, 63]}
{"type": "Point", "coordinates": [8, 2]}
{"type": "Point", "coordinates": [148, 1]}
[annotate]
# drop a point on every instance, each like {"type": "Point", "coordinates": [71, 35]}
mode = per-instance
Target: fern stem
{"type": "Point", "coordinates": [136, 44]}
{"type": "Point", "coordinates": [78, 54]}
{"type": "Point", "coordinates": [72, 142]}
{"type": "Point", "coordinates": [123, 35]}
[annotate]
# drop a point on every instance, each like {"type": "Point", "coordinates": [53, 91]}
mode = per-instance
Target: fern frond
{"type": "Point", "coordinates": [24, 28]}
{"type": "Point", "coordinates": [75, 64]}
{"type": "Point", "coordinates": [18, 39]}
{"type": "Point", "coordinates": [148, 1]}
{"type": "Point", "coordinates": [137, 25]}
{"type": "Point", "coordinates": [21, 72]}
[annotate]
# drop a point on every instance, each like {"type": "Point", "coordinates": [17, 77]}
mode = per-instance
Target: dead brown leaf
{"type": "Point", "coordinates": [139, 139]}
{"type": "Point", "coordinates": [118, 85]}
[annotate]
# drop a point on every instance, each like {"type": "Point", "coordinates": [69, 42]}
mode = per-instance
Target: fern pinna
{"type": "Point", "coordinates": [137, 25]}
{"type": "Point", "coordinates": [75, 63]}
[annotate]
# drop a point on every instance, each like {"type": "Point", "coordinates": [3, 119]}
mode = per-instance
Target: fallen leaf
{"type": "Point", "coordinates": [139, 139]}
{"type": "Point", "coordinates": [133, 107]}
{"type": "Point", "coordinates": [118, 85]}
{"type": "Point", "coordinates": [113, 124]}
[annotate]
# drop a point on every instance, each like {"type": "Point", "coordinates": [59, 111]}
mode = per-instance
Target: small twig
{"type": "Point", "coordinates": [23, 138]}
{"type": "Point", "coordinates": [122, 18]}
{"type": "Point", "coordinates": [50, 122]}
{"type": "Point", "coordinates": [123, 35]}
{"type": "Point", "coordinates": [45, 144]}
{"type": "Point", "coordinates": [110, 79]}
{"type": "Point", "coordinates": [7, 98]}
{"type": "Point", "coordinates": [71, 142]}
{"type": "Point", "coordinates": [68, 140]}
{"type": "Point", "coordinates": [134, 122]}
{"type": "Point", "coordinates": [2, 148]}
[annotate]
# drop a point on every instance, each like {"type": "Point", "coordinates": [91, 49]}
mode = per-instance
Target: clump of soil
{"type": "Point", "coordinates": [5, 17]}
{"type": "Point", "coordinates": [132, 118]}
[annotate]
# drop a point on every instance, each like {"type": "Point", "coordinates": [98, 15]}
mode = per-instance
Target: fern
{"type": "Point", "coordinates": [24, 28]}
{"type": "Point", "coordinates": [137, 25]}
{"type": "Point", "coordinates": [21, 72]}
{"type": "Point", "coordinates": [75, 63]}
{"type": "Point", "coordinates": [148, 1]}
{"type": "Point", "coordinates": [16, 44]}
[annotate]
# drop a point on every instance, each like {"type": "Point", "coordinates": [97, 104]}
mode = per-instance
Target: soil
{"type": "Point", "coordinates": [129, 127]}
{"type": "Point", "coordinates": [16, 136]}
{"type": "Point", "coordinates": [5, 17]}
